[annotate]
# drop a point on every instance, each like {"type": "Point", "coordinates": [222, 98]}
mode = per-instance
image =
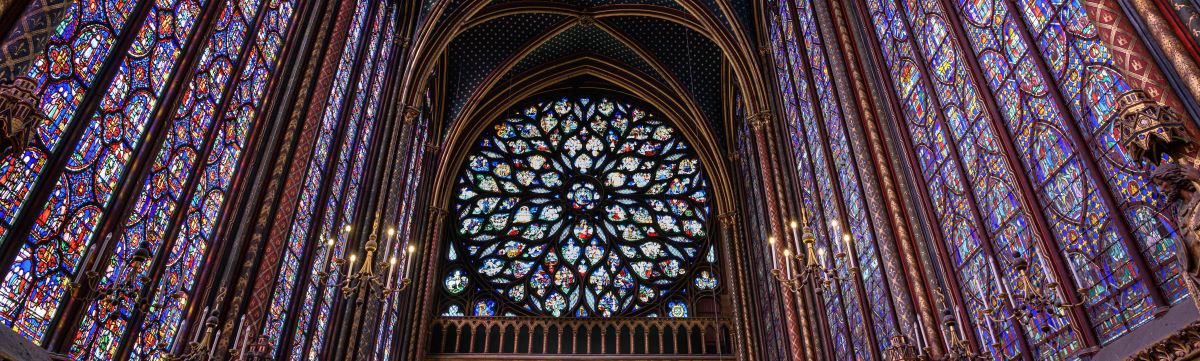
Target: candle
{"type": "Point", "coordinates": [850, 250]}
{"type": "Point", "coordinates": [979, 290]}
{"type": "Point", "coordinates": [959, 324]}
{"type": "Point", "coordinates": [1045, 268]}
{"type": "Point", "coordinates": [1074, 273]}
{"type": "Point", "coordinates": [78, 276]}
{"type": "Point", "coordinates": [242, 350]}
{"type": "Point", "coordinates": [822, 257]}
{"type": "Point", "coordinates": [787, 262]}
{"type": "Point", "coordinates": [202, 315]}
{"type": "Point", "coordinates": [350, 266]}
{"type": "Point", "coordinates": [176, 341]}
{"type": "Point", "coordinates": [391, 271]}
{"type": "Point", "coordinates": [213, 348]}
{"type": "Point", "coordinates": [408, 259]}
{"type": "Point", "coordinates": [771, 245]}
{"type": "Point", "coordinates": [237, 334]}
{"type": "Point", "coordinates": [796, 237]}
{"type": "Point", "coordinates": [920, 335]}
{"type": "Point", "coordinates": [103, 246]}
{"type": "Point", "coordinates": [1000, 281]}
{"type": "Point", "coordinates": [403, 263]}
{"type": "Point", "coordinates": [328, 250]}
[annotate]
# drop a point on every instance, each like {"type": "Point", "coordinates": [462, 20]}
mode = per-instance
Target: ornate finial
{"type": "Point", "coordinates": [18, 115]}
{"type": "Point", "coordinates": [1147, 129]}
{"type": "Point", "coordinates": [410, 113]}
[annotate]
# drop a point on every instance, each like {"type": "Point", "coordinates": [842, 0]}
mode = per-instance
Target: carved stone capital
{"type": "Point", "coordinates": [1147, 129]}
{"type": "Point", "coordinates": [728, 218]}
{"type": "Point", "coordinates": [410, 113]}
{"type": "Point", "coordinates": [760, 120]}
{"type": "Point", "coordinates": [18, 115]}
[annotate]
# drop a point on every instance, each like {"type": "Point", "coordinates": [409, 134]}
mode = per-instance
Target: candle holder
{"type": "Point", "coordinates": [1026, 300]}
{"type": "Point", "coordinates": [810, 268]}
{"type": "Point", "coordinates": [89, 286]}
{"type": "Point", "coordinates": [367, 279]}
{"type": "Point", "coordinates": [957, 347]}
{"type": "Point", "coordinates": [902, 349]}
{"type": "Point", "coordinates": [202, 348]}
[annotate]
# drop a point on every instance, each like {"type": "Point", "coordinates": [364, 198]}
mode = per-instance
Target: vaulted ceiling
{"type": "Point", "coordinates": [506, 39]}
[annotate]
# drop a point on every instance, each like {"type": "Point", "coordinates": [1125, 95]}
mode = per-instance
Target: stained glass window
{"type": "Point", "coordinates": [341, 206]}
{"type": "Point", "coordinates": [160, 327]}
{"type": "Point", "coordinates": [63, 73]}
{"type": "Point", "coordinates": [1082, 222]}
{"type": "Point", "coordinates": [1082, 69]}
{"type": "Point", "coordinates": [824, 144]}
{"type": "Point", "coordinates": [64, 229]}
{"type": "Point", "coordinates": [797, 107]}
{"type": "Point", "coordinates": [105, 320]}
{"type": "Point", "coordinates": [990, 176]}
{"type": "Point", "coordinates": [837, 138]}
{"type": "Point", "coordinates": [986, 79]}
{"type": "Point", "coordinates": [306, 209]}
{"type": "Point", "coordinates": [578, 207]}
{"type": "Point", "coordinates": [404, 218]}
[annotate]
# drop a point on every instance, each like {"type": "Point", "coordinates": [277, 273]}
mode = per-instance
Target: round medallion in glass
{"type": "Point", "coordinates": [579, 207]}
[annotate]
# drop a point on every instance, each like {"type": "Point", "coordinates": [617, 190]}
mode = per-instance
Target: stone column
{"type": "Point", "coordinates": [1174, 49]}
{"type": "Point", "coordinates": [1128, 52]}
{"type": "Point", "coordinates": [759, 124]}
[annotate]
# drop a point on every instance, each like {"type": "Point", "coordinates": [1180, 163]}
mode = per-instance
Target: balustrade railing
{"type": "Point", "coordinates": [667, 338]}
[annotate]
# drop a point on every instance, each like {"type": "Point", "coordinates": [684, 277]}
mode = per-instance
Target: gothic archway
{"type": "Point", "coordinates": [580, 223]}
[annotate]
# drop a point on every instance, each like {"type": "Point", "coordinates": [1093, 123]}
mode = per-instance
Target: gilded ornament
{"type": "Point", "coordinates": [18, 115]}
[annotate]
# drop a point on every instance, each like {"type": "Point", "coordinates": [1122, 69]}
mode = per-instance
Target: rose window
{"type": "Point", "coordinates": [579, 207]}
